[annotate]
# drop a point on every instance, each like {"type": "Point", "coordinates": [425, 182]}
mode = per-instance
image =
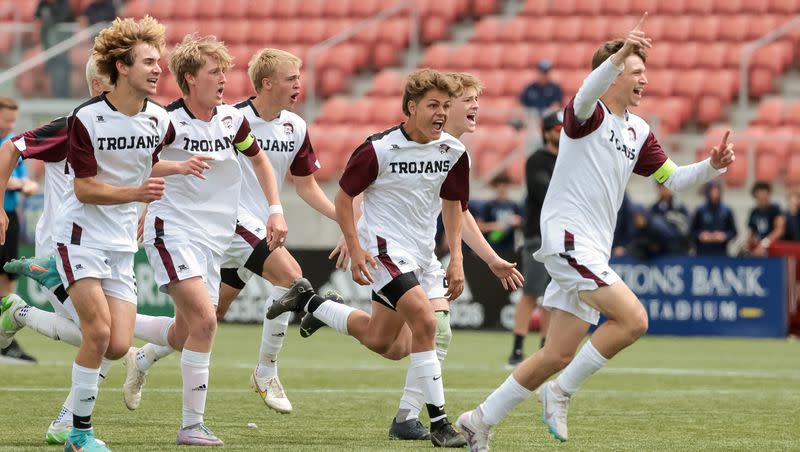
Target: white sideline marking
{"type": "Point", "coordinates": [482, 391]}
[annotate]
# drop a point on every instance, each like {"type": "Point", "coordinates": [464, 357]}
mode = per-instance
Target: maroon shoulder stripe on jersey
{"type": "Point", "coordinates": [575, 129]}
{"type": "Point", "coordinates": [569, 241]}
{"type": "Point", "coordinates": [385, 259]}
{"type": "Point", "coordinates": [77, 232]}
{"type": "Point", "coordinates": [247, 235]}
{"type": "Point", "coordinates": [64, 255]}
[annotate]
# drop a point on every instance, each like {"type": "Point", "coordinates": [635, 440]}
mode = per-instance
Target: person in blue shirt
{"type": "Point", "coordinates": [500, 217]}
{"type": "Point", "coordinates": [766, 223]}
{"type": "Point", "coordinates": [713, 226]}
{"type": "Point", "coordinates": [676, 216]}
{"type": "Point", "coordinates": [793, 215]}
{"type": "Point", "coordinates": [544, 94]}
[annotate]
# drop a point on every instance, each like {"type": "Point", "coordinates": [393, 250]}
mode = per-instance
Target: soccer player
{"type": "Point", "coordinates": [402, 172]}
{"type": "Point", "coordinates": [283, 137]}
{"type": "Point", "coordinates": [114, 142]}
{"type": "Point", "coordinates": [187, 264]}
{"type": "Point", "coordinates": [602, 143]}
{"type": "Point", "coordinates": [538, 172]}
{"type": "Point", "coordinates": [461, 119]}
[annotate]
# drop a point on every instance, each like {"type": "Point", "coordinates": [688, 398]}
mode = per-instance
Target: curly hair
{"type": "Point", "coordinates": [188, 57]}
{"type": "Point", "coordinates": [466, 81]}
{"type": "Point", "coordinates": [116, 43]}
{"type": "Point", "coordinates": [265, 62]}
{"type": "Point", "coordinates": [419, 82]}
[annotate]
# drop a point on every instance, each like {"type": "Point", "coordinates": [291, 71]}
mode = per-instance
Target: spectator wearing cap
{"type": "Point", "coordinates": [713, 226]}
{"type": "Point", "coordinates": [538, 172]}
{"type": "Point", "coordinates": [766, 223]}
{"type": "Point", "coordinates": [543, 95]}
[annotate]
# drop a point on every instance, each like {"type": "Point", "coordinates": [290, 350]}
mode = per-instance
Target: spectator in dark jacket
{"type": "Point", "coordinates": [766, 223]}
{"type": "Point", "coordinates": [623, 232]}
{"type": "Point", "coordinates": [793, 215]}
{"type": "Point", "coordinates": [713, 226]}
{"type": "Point", "coordinates": [676, 216]}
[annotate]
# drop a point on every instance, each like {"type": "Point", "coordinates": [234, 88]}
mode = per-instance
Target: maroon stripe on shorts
{"type": "Point", "coordinates": [583, 270]}
{"type": "Point", "coordinates": [569, 241]}
{"type": "Point", "coordinates": [163, 253]}
{"type": "Point", "coordinates": [77, 232]}
{"type": "Point", "coordinates": [64, 254]}
{"type": "Point", "coordinates": [385, 259]}
{"type": "Point", "coordinates": [247, 235]}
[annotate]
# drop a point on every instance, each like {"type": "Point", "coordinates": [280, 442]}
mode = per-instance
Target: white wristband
{"type": "Point", "coordinates": [275, 208]}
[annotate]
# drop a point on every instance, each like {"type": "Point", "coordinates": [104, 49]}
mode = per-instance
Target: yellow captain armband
{"type": "Point", "coordinates": [666, 170]}
{"type": "Point", "coordinates": [246, 143]}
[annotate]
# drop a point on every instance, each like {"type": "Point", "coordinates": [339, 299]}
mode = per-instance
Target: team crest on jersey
{"type": "Point", "coordinates": [153, 122]}
{"type": "Point", "coordinates": [228, 122]}
{"type": "Point", "coordinates": [631, 134]}
{"type": "Point", "coordinates": [288, 128]}
{"type": "Point", "coordinates": [443, 148]}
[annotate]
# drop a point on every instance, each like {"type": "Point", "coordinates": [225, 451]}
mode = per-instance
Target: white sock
{"type": "Point", "coordinates": [334, 315]}
{"type": "Point", "coordinates": [65, 415]}
{"type": "Point", "coordinates": [49, 324]}
{"type": "Point", "coordinates": [412, 400]}
{"type": "Point", "coordinates": [273, 334]}
{"type": "Point", "coordinates": [149, 354]}
{"type": "Point", "coordinates": [586, 362]}
{"type": "Point", "coordinates": [84, 390]}
{"type": "Point", "coordinates": [194, 368]}
{"type": "Point", "coordinates": [105, 366]}
{"type": "Point", "coordinates": [503, 400]}
{"type": "Point", "coordinates": [429, 375]}
{"type": "Point", "coordinates": [152, 329]}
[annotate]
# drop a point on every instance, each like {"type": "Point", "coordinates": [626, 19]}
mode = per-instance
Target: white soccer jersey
{"type": "Point", "coordinates": [48, 144]}
{"type": "Point", "coordinates": [286, 143]}
{"type": "Point", "coordinates": [595, 162]}
{"type": "Point", "coordinates": [116, 149]}
{"type": "Point", "coordinates": [402, 183]}
{"type": "Point", "coordinates": [203, 210]}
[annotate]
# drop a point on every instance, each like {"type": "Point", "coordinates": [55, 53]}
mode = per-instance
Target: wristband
{"type": "Point", "coordinates": [275, 208]}
{"type": "Point", "coordinates": [765, 243]}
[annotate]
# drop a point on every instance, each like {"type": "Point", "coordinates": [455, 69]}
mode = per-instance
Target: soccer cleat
{"type": "Point", "coordinates": [271, 391]}
{"type": "Point", "coordinates": [84, 441]}
{"type": "Point", "coordinates": [310, 324]}
{"type": "Point", "coordinates": [411, 429]}
{"type": "Point", "coordinates": [197, 435]}
{"type": "Point", "coordinates": [57, 433]}
{"type": "Point", "coordinates": [555, 404]}
{"type": "Point", "coordinates": [43, 270]}
{"type": "Point", "coordinates": [134, 380]}
{"type": "Point", "coordinates": [476, 434]}
{"type": "Point", "coordinates": [446, 436]}
{"type": "Point", "coordinates": [293, 300]}
{"type": "Point", "coordinates": [8, 326]}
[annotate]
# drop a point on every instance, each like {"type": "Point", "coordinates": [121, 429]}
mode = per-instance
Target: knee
{"type": "Point", "coordinates": [97, 336]}
{"type": "Point", "coordinates": [398, 351]}
{"type": "Point", "coordinates": [206, 327]}
{"type": "Point", "coordinates": [558, 359]}
{"type": "Point", "coordinates": [638, 325]}
{"type": "Point", "coordinates": [424, 327]}
{"type": "Point", "coordinates": [117, 348]}
{"type": "Point", "coordinates": [444, 334]}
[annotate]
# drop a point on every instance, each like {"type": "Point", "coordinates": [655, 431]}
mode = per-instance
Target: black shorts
{"type": "Point", "coordinates": [10, 250]}
{"type": "Point", "coordinates": [536, 276]}
{"type": "Point", "coordinates": [391, 293]}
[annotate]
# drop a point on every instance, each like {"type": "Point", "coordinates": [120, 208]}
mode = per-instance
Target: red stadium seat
{"type": "Point", "coordinates": [332, 81]}
{"type": "Point", "coordinates": [513, 31]}
{"type": "Point", "coordinates": [287, 9]}
{"type": "Point", "coordinates": [177, 30]}
{"type": "Point", "coordinates": [736, 176]}
{"type": "Point", "coordinates": [211, 9]}
{"type": "Point", "coordinates": [339, 9]}
{"type": "Point", "coordinates": [575, 56]}
{"type": "Point", "coordinates": [489, 56]}
{"type": "Point", "coordinates": [135, 8]}
{"type": "Point", "coordinates": [540, 29]}
{"type": "Point", "coordinates": [735, 28]}
{"type": "Point", "coordinates": [569, 27]}
{"type": "Point", "coordinates": [596, 29]}
{"type": "Point", "coordinates": [241, 54]}
{"type": "Point", "coordinates": [727, 6]}
{"type": "Point", "coordinates": [655, 28]}
{"type": "Point", "coordinates": [360, 111]}
{"type": "Point", "coordinates": [617, 7]}
{"type": "Point", "coordinates": [768, 167]}
{"type": "Point", "coordinates": [771, 57]}
{"type": "Point", "coordinates": [705, 28]}
{"type": "Point", "coordinates": [684, 55]}
{"type": "Point", "coordinates": [233, 32]}
{"type": "Point", "coordinates": [464, 57]}
{"type": "Point", "coordinates": [484, 7]}
{"type": "Point", "coordinates": [436, 56]}
{"type": "Point", "coordinates": [314, 31]}
{"type": "Point", "coordinates": [587, 7]}
{"type": "Point", "coordinates": [792, 116]}
{"type": "Point", "coordinates": [776, 142]}
{"type": "Point", "coordinates": [562, 8]}
{"type": "Point", "coordinates": [518, 58]}
{"type": "Point", "coordinates": [488, 29]}
{"type": "Point", "coordinates": [672, 7]}
{"type": "Point", "coordinates": [690, 84]}
{"type": "Point", "coordinates": [637, 7]}
{"type": "Point", "coordinates": [249, 9]}
{"type": "Point", "coordinates": [793, 170]}
{"type": "Point", "coordinates": [494, 83]}
{"type": "Point", "coordinates": [712, 55]}
{"type": "Point", "coordinates": [309, 8]}
{"type": "Point", "coordinates": [659, 55]}
{"type": "Point", "coordinates": [434, 29]}
{"type": "Point", "coordinates": [709, 110]}
{"type": "Point", "coordinates": [761, 25]}
{"type": "Point", "coordinates": [161, 10]}
{"type": "Point", "coordinates": [660, 83]}
{"type": "Point", "coordinates": [395, 32]}
{"type": "Point", "coordinates": [784, 6]}
{"type": "Point", "coordinates": [713, 136]}
{"type": "Point", "coordinates": [364, 8]}
{"type": "Point", "coordinates": [535, 8]}
{"type": "Point", "coordinates": [334, 111]}
{"type": "Point", "coordinates": [678, 28]}
{"type": "Point", "coordinates": [188, 9]}
{"type": "Point", "coordinates": [516, 81]}
{"type": "Point", "coordinates": [761, 82]}
{"type": "Point", "coordinates": [543, 51]}
{"type": "Point", "coordinates": [384, 55]}
{"type": "Point", "coordinates": [700, 7]}
{"type": "Point", "coordinates": [722, 84]}
{"type": "Point", "coordinates": [755, 6]}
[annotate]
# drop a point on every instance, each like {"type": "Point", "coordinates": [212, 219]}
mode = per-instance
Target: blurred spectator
{"type": "Point", "coordinates": [712, 225]}
{"type": "Point", "coordinates": [544, 94]}
{"type": "Point", "coordinates": [17, 182]}
{"type": "Point", "coordinates": [500, 217]}
{"type": "Point", "coordinates": [98, 11]}
{"type": "Point", "coordinates": [51, 13]}
{"type": "Point", "coordinates": [766, 223]}
{"type": "Point", "coordinates": [623, 232]}
{"type": "Point", "coordinates": [675, 214]}
{"type": "Point", "coordinates": [538, 172]}
{"type": "Point", "coordinates": [792, 215]}
{"type": "Point", "coordinates": [652, 235]}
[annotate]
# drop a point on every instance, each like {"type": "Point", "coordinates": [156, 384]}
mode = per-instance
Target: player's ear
{"type": "Point", "coordinates": [412, 107]}
{"type": "Point", "coordinates": [266, 83]}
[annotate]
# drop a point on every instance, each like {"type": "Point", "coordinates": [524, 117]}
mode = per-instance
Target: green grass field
{"type": "Point", "coordinates": [665, 394]}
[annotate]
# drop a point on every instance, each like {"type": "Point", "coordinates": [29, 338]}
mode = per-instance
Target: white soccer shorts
{"type": "Point", "coordinates": [250, 231]}
{"type": "Point", "coordinates": [114, 269]}
{"type": "Point", "coordinates": [177, 259]}
{"type": "Point", "coordinates": [571, 273]}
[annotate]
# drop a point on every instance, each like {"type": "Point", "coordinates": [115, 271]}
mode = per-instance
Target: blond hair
{"type": "Point", "coordinates": [116, 43]}
{"type": "Point", "coordinates": [466, 81]}
{"type": "Point", "coordinates": [419, 82]}
{"type": "Point", "coordinates": [7, 103]}
{"type": "Point", "coordinates": [189, 56]}
{"type": "Point", "coordinates": [609, 48]}
{"type": "Point", "coordinates": [93, 74]}
{"type": "Point", "coordinates": [265, 62]}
